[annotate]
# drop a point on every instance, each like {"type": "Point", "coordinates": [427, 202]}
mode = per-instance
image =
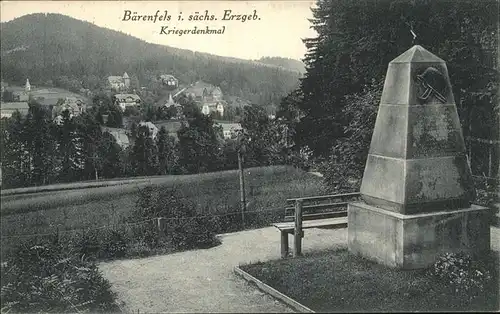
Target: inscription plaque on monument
{"type": "Point", "coordinates": [417, 185]}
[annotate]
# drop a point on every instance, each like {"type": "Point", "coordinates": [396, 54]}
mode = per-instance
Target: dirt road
{"type": "Point", "coordinates": [203, 280]}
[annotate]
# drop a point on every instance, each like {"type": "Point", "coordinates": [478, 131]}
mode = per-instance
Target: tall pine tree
{"type": "Point", "coordinates": [200, 146]}
{"type": "Point", "coordinates": [357, 39]}
{"type": "Point", "coordinates": [167, 152]}
{"type": "Point", "coordinates": [40, 145]}
{"type": "Point", "coordinates": [69, 149]}
{"type": "Point", "coordinates": [109, 154]}
{"type": "Point", "coordinates": [144, 156]}
{"type": "Point", "coordinates": [14, 155]}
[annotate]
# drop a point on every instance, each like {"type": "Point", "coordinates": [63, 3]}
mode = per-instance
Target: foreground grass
{"type": "Point", "coordinates": [46, 278]}
{"type": "Point", "coordinates": [336, 281]}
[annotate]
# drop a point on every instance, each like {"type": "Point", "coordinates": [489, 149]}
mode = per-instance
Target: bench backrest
{"type": "Point", "coordinates": [321, 207]}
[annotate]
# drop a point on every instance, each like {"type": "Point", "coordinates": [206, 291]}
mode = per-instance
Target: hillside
{"type": "Point", "coordinates": [46, 47]}
{"type": "Point", "coordinates": [287, 63]}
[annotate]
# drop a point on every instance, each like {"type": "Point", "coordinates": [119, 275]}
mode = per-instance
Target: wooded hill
{"type": "Point", "coordinates": [286, 63]}
{"type": "Point", "coordinates": [45, 47]}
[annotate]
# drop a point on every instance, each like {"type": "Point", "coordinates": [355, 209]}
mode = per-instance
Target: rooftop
{"type": "Point", "coordinates": [15, 105]}
{"type": "Point", "coordinates": [230, 126]}
{"type": "Point", "coordinates": [119, 134]}
{"type": "Point", "coordinates": [115, 78]}
{"type": "Point", "coordinates": [167, 76]}
{"type": "Point", "coordinates": [122, 97]}
{"type": "Point", "coordinates": [170, 126]}
{"type": "Point", "coordinates": [198, 87]}
{"type": "Point", "coordinates": [51, 95]}
{"type": "Point", "coordinates": [148, 124]}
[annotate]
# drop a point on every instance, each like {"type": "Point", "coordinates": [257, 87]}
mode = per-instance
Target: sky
{"type": "Point", "coordinates": [276, 29]}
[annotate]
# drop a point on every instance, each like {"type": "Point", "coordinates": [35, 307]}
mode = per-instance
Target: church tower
{"type": "Point", "coordinates": [27, 87]}
{"type": "Point", "coordinates": [126, 80]}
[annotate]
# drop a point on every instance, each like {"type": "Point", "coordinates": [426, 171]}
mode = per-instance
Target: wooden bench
{"type": "Point", "coordinates": [328, 211]}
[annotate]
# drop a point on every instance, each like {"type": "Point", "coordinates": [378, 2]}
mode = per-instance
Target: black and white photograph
{"type": "Point", "coordinates": [190, 156]}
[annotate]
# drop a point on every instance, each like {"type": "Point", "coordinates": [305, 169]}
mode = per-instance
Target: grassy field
{"type": "Point", "coordinates": [336, 281]}
{"type": "Point", "coordinates": [211, 193]}
{"type": "Point", "coordinates": [71, 186]}
{"type": "Point", "coordinates": [52, 94]}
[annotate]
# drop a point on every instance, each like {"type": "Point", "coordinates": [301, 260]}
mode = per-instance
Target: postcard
{"type": "Point", "coordinates": [249, 156]}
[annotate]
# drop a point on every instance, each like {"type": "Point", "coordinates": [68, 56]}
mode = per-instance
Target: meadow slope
{"type": "Point", "coordinates": [211, 193]}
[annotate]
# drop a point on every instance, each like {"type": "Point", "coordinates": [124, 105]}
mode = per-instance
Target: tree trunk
{"type": "Point", "coordinates": [242, 188]}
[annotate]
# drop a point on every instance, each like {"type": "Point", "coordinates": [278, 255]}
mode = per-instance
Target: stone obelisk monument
{"type": "Point", "coordinates": [417, 186]}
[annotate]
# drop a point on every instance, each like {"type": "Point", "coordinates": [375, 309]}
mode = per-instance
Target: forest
{"type": "Point", "coordinates": [36, 150]}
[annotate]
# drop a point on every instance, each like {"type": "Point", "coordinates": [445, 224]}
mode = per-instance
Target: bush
{"type": "Point", "coordinates": [114, 244]}
{"type": "Point", "coordinates": [466, 276]}
{"type": "Point", "coordinates": [98, 244]}
{"type": "Point", "coordinates": [343, 177]}
{"type": "Point", "coordinates": [302, 158]}
{"type": "Point", "coordinates": [183, 230]}
{"type": "Point", "coordinates": [191, 233]}
{"type": "Point", "coordinates": [147, 236]}
{"type": "Point", "coordinates": [43, 277]}
{"type": "Point", "coordinates": [487, 191]}
{"type": "Point", "coordinates": [139, 248]}
{"type": "Point", "coordinates": [85, 245]}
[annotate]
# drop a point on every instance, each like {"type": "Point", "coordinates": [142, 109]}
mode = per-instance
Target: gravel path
{"type": "Point", "coordinates": [203, 281]}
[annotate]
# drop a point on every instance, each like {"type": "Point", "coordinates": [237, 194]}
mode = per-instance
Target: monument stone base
{"type": "Point", "coordinates": [416, 241]}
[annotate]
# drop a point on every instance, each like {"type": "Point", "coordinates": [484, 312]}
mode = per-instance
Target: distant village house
{"type": "Point", "coordinates": [8, 108]}
{"type": "Point", "coordinates": [174, 106]}
{"type": "Point", "coordinates": [126, 100]}
{"type": "Point", "coordinates": [18, 102]}
{"type": "Point", "coordinates": [120, 135]}
{"type": "Point", "coordinates": [22, 94]}
{"type": "Point", "coordinates": [201, 91]}
{"type": "Point", "coordinates": [169, 81]}
{"type": "Point", "coordinates": [73, 105]}
{"type": "Point", "coordinates": [208, 97]}
{"type": "Point", "coordinates": [3, 86]}
{"type": "Point", "coordinates": [230, 130]}
{"type": "Point", "coordinates": [171, 126]}
{"type": "Point", "coordinates": [208, 108]}
{"type": "Point", "coordinates": [119, 83]}
{"type": "Point", "coordinates": [153, 129]}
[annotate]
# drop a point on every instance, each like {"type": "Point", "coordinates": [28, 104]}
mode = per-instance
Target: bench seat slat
{"type": "Point", "coordinates": [313, 208]}
{"type": "Point", "coordinates": [341, 213]}
{"type": "Point", "coordinates": [322, 197]}
{"type": "Point", "coordinates": [319, 206]}
{"type": "Point", "coordinates": [289, 226]}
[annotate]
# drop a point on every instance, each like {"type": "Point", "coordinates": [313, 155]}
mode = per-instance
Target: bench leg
{"type": "Point", "coordinates": [284, 244]}
{"type": "Point", "coordinates": [297, 244]}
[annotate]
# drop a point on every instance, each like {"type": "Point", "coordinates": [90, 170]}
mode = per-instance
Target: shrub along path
{"type": "Point", "coordinates": [203, 280]}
